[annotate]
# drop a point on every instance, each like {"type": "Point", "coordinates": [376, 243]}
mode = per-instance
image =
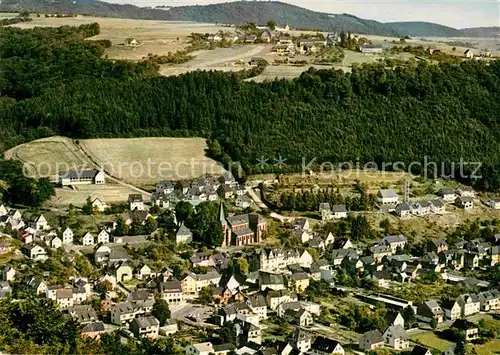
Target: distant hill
{"type": "Point", "coordinates": [423, 29]}
{"type": "Point", "coordinates": [244, 11]}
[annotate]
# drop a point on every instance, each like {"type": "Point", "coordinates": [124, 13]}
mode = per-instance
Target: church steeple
{"type": "Point", "coordinates": [222, 218]}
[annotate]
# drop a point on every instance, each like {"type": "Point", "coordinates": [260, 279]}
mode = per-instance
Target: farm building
{"type": "Point", "coordinates": [84, 177]}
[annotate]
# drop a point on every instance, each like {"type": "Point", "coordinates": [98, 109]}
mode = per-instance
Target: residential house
{"type": "Point", "coordinates": [495, 255]}
{"type": "Point", "coordinates": [403, 210]}
{"type": "Point", "coordinates": [380, 251]}
{"type": "Point", "coordinates": [326, 346]}
{"type": "Point", "coordinates": [300, 281]}
{"type": "Point", "coordinates": [183, 235]}
{"type": "Point", "coordinates": [88, 239]}
{"type": "Point", "coordinates": [67, 236]}
{"type": "Point", "coordinates": [8, 274]}
{"type": "Point", "coordinates": [301, 317]}
{"type": "Point", "coordinates": [257, 304]}
{"type": "Point", "coordinates": [371, 340]}
{"type": "Point", "coordinates": [466, 203]}
{"type": "Point", "coordinates": [5, 289]}
{"type": "Point", "coordinates": [83, 177]}
{"type": "Point", "coordinates": [103, 237]}
{"type": "Point", "coordinates": [490, 300]}
{"type": "Point", "coordinates": [300, 340]}
{"type": "Point", "coordinates": [271, 281]}
{"type": "Point", "coordinates": [38, 222]}
{"type": "Point", "coordinates": [192, 283]}
{"type": "Point", "coordinates": [437, 246]}
{"type": "Point", "coordinates": [123, 271]}
{"type": "Point", "coordinates": [83, 314]}
{"type": "Point", "coordinates": [243, 202]}
{"type": "Point", "coordinates": [35, 252]}
{"type": "Point", "coordinates": [238, 311]}
{"type": "Point", "coordinates": [381, 278]}
{"type": "Point", "coordinates": [136, 203]}
{"type": "Point", "coordinates": [452, 309]}
{"type": "Point", "coordinates": [396, 337]}
{"type": "Point", "coordinates": [55, 243]}
{"type": "Point", "coordinates": [469, 304]}
{"type": "Point", "coordinates": [448, 194]}
{"type": "Point", "coordinates": [248, 332]}
{"type": "Point", "coordinates": [276, 298]}
{"type": "Point", "coordinates": [35, 285]}
{"type": "Point", "coordinates": [93, 330]}
{"type": "Point", "coordinates": [437, 206]}
{"type": "Point", "coordinates": [144, 272]}
{"type": "Point", "coordinates": [122, 313]}
{"type": "Point", "coordinates": [469, 330]}
{"type": "Point", "coordinates": [145, 327]}
{"type": "Point", "coordinates": [171, 292]}
{"type": "Point", "coordinates": [98, 205]}
{"type": "Point", "coordinates": [394, 241]}
{"type": "Point", "coordinates": [430, 310]}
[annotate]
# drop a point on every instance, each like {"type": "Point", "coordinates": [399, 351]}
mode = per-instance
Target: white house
{"type": "Point", "coordinates": [387, 196]}
{"type": "Point", "coordinates": [136, 202]}
{"type": "Point", "coordinates": [98, 205]}
{"type": "Point", "coordinates": [88, 239]}
{"type": "Point", "coordinates": [67, 236]}
{"type": "Point", "coordinates": [55, 243]}
{"type": "Point", "coordinates": [103, 237]}
{"type": "Point", "coordinates": [38, 222]}
{"type": "Point", "coordinates": [35, 252]}
{"type": "Point", "coordinates": [183, 235]}
{"type": "Point", "coordinates": [466, 191]}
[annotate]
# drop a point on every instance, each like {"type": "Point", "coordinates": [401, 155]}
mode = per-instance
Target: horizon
{"type": "Point", "coordinates": [458, 14]}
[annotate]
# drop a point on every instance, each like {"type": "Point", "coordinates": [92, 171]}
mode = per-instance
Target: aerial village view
{"type": "Point", "coordinates": [204, 180]}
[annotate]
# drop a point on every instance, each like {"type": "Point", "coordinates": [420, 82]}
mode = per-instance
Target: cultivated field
{"type": "Point", "coordinates": [144, 161]}
{"type": "Point", "coordinates": [48, 156]}
{"type": "Point", "coordinates": [138, 161]}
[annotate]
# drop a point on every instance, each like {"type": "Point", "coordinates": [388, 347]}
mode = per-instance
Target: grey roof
{"type": "Point", "coordinates": [394, 239]}
{"type": "Point", "coordinates": [388, 193]}
{"type": "Point", "coordinates": [257, 300]}
{"type": "Point", "coordinates": [94, 327]}
{"type": "Point", "coordinates": [373, 336]}
{"type": "Point", "coordinates": [271, 279]}
{"type": "Point", "coordinates": [299, 276]}
{"type": "Point", "coordinates": [84, 174]}
{"type": "Point", "coordinates": [398, 331]}
{"type": "Point", "coordinates": [183, 230]}
{"type": "Point", "coordinates": [148, 321]}
{"type": "Point", "coordinates": [339, 208]}
{"type": "Point", "coordinates": [170, 286]}
{"type": "Point", "coordinates": [324, 206]}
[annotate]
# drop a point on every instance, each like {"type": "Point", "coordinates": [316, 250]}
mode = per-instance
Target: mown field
{"type": "Point", "coordinates": [144, 161]}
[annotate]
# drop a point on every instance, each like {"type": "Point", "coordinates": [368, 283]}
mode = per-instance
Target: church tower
{"type": "Point", "coordinates": [226, 241]}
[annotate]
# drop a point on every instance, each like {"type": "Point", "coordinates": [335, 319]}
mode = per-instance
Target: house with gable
{"type": "Point", "coordinates": [183, 235]}
{"type": "Point", "coordinates": [88, 239]}
{"type": "Point", "coordinates": [326, 346]}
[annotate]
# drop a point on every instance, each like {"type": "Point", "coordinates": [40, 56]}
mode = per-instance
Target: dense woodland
{"type": "Point", "coordinates": [52, 81]}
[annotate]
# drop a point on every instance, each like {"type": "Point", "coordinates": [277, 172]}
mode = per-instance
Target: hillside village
{"type": "Point", "coordinates": [234, 292]}
{"type": "Point", "coordinates": [251, 258]}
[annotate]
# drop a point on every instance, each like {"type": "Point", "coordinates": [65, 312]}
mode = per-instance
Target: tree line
{"type": "Point", "coordinates": [55, 82]}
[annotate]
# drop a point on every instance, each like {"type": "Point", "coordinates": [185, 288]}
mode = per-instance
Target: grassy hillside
{"type": "Point", "coordinates": [244, 11]}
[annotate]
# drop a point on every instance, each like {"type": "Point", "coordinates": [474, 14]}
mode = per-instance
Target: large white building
{"type": "Point", "coordinates": [84, 177]}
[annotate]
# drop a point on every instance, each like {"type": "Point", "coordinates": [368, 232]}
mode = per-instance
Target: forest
{"type": "Point", "coordinates": [53, 81]}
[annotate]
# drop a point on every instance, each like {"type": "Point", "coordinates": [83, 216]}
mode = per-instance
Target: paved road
{"type": "Point", "coordinates": [254, 193]}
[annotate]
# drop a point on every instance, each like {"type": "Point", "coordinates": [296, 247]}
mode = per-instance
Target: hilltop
{"type": "Point", "coordinates": [256, 11]}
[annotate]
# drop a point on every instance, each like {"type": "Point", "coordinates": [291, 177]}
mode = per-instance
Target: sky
{"type": "Point", "coordinates": [454, 13]}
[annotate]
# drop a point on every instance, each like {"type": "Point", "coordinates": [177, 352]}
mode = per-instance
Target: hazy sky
{"type": "Point", "coordinates": [456, 13]}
